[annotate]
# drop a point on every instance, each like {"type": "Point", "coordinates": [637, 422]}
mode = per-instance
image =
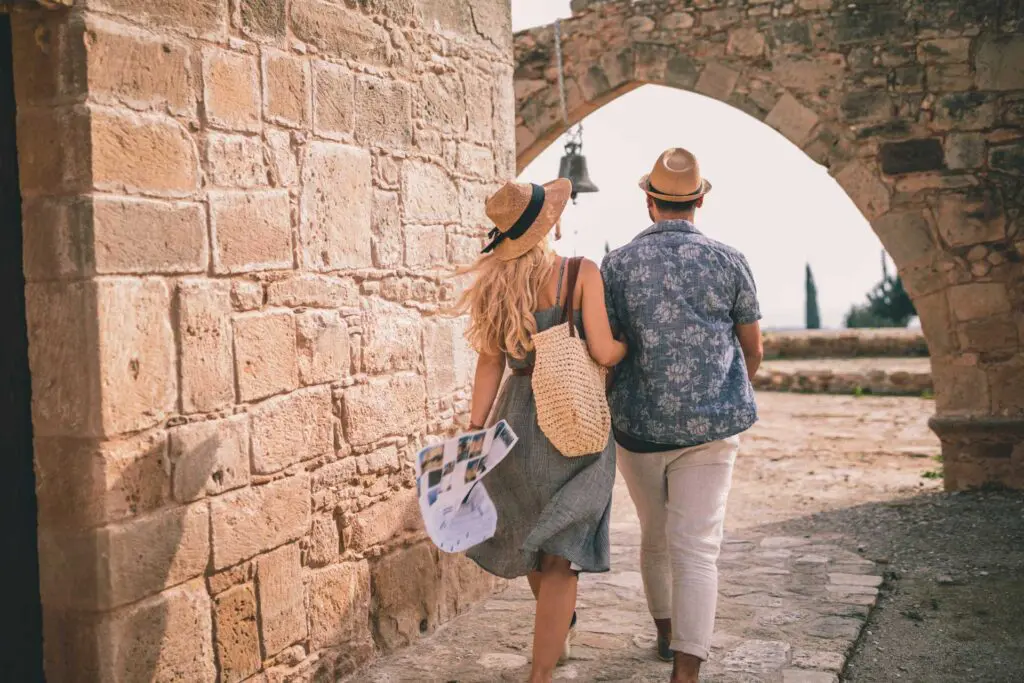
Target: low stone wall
{"type": "Point", "coordinates": [880, 343]}
{"type": "Point", "coordinates": [879, 376]}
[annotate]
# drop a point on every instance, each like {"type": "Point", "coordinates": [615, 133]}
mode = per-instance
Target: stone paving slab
{"type": "Point", "coordinates": [790, 610]}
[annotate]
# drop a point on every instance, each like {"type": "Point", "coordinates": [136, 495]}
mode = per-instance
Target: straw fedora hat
{"type": "Point", "coordinates": [523, 214]}
{"type": "Point", "coordinates": [675, 178]}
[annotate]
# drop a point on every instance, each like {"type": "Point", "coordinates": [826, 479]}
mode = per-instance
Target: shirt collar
{"type": "Point", "coordinates": [672, 225]}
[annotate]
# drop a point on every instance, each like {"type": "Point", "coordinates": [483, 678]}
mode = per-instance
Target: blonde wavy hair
{"type": "Point", "coordinates": [501, 299]}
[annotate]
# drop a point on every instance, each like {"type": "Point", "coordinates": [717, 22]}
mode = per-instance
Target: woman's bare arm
{"type": "Point", "coordinates": [604, 348]}
{"type": "Point", "coordinates": [486, 381]}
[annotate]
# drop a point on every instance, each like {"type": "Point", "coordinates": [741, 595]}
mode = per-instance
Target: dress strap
{"type": "Point", "coordinates": [558, 291]}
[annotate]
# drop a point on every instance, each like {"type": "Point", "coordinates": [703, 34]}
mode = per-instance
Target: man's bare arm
{"type": "Point", "coordinates": [752, 345]}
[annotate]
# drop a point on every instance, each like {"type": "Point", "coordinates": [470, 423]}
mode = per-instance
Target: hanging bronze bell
{"type": "Point", "coordinates": [574, 167]}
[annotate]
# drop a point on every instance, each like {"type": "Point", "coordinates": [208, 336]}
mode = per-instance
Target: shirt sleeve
{"type": "Point", "coordinates": [611, 300]}
{"type": "Point", "coordinates": [745, 309]}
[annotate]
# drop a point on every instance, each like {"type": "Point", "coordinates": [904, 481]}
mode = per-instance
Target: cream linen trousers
{"type": "Point", "coordinates": [680, 497]}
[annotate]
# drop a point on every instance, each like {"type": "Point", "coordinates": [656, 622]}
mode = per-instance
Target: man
{"type": "Point", "coordinates": [687, 306]}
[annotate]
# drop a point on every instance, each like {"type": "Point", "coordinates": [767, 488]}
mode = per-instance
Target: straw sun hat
{"type": "Point", "coordinates": [523, 214]}
{"type": "Point", "coordinates": [675, 178]}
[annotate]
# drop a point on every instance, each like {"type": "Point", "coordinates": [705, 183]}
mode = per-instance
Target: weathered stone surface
{"type": "Point", "coordinates": [231, 90]}
{"type": "Point", "coordinates": [316, 291]}
{"type": "Point", "coordinates": [334, 109]}
{"type": "Point", "coordinates": [138, 236]}
{"type": "Point", "coordinates": [757, 656]}
{"type": "Point", "coordinates": [250, 521]}
{"type": "Point", "coordinates": [208, 458]}
{"type": "Point", "coordinates": [410, 609]}
{"type": "Point", "coordinates": [745, 42]}
{"type": "Point", "coordinates": [384, 117]}
{"type": "Point", "coordinates": [204, 332]}
{"type": "Point", "coordinates": [912, 156]}
{"type": "Point", "coordinates": [999, 62]}
{"type": "Point", "coordinates": [804, 676]}
{"type": "Point", "coordinates": [289, 429]}
{"type": "Point", "coordinates": [282, 612]}
{"type": "Point", "coordinates": [238, 638]}
{"type": "Point", "coordinates": [978, 300]}
{"type": "Point", "coordinates": [792, 119]}
{"type": "Point", "coordinates": [339, 32]}
{"type": "Point", "coordinates": [391, 339]}
{"type": "Point", "coordinates": [336, 226]}
{"type": "Point", "coordinates": [1007, 158]}
{"type": "Point", "coordinates": [717, 81]}
{"type": "Point", "coordinates": [866, 190]}
{"type": "Point", "coordinates": [971, 217]}
{"type": "Point", "coordinates": [324, 540]}
{"type": "Point", "coordinates": [287, 97]}
{"type": "Point", "coordinates": [137, 373]}
{"type": "Point", "coordinates": [428, 193]}
{"type": "Point", "coordinates": [282, 163]}
{"type": "Point", "coordinates": [266, 362]}
{"type": "Point", "coordinates": [388, 245]}
{"type": "Point", "coordinates": [235, 161]}
{"type": "Point", "coordinates": [339, 606]}
{"type": "Point", "coordinates": [381, 522]}
{"type": "Point", "coordinates": [323, 347]}
{"type": "Point", "coordinates": [439, 357]}
{"type": "Point", "coordinates": [965, 150]}
{"type": "Point", "coordinates": [403, 395]}
{"type": "Point", "coordinates": [142, 153]}
{"type": "Point", "coordinates": [263, 18]}
{"type": "Point", "coordinates": [251, 231]}
{"type": "Point", "coordinates": [906, 235]}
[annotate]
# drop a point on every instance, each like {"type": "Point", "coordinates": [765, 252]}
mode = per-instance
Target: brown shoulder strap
{"type": "Point", "coordinates": [570, 292]}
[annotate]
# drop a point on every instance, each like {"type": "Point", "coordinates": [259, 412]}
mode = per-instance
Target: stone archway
{"type": "Point", "coordinates": [917, 112]}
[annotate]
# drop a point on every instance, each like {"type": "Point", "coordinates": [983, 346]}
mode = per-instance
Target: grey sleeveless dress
{"type": "Point", "coordinates": [547, 503]}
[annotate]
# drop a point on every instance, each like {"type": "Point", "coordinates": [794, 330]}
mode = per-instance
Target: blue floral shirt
{"type": "Point", "coordinates": [675, 296]}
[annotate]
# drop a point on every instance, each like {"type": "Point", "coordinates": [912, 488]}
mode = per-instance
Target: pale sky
{"type": "Point", "coordinates": [769, 200]}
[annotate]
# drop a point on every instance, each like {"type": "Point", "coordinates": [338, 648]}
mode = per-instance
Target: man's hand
{"type": "Point", "coordinates": [752, 345]}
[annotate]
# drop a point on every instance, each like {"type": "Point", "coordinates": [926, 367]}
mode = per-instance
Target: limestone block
{"type": "Point", "coordinates": [334, 483]}
{"type": "Point", "coordinates": [209, 458]}
{"type": "Point", "coordinates": [441, 103]}
{"type": "Point", "coordinates": [251, 230]}
{"type": "Point", "coordinates": [334, 108]}
{"type": "Point", "coordinates": [425, 246]}
{"type": "Point", "coordinates": [401, 397]}
{"type": "Point", "coordinates": [206, 18]}
{"type": "Point", "coordinates": [717, 81]}
{"type": "Point", "coordinates": [238, 638]}
{"type": "Point", "coordinates": [792, 119]}
{"type": "Point", "coordinates": [463, 250]}
{"type": "Point", "coordinates": [1006, 382]}
{"type": "Point", "coordinates": [235, 161]}
{"type": "Point", "coordinates": [864, 187]}
{"type": "Point", "coordinates": [745, 41]}
{"type": "Point", "coordinates": [283, 165]}
{"type": "Point", "coordinates": [447, 16]}
{"type": "Point", "coordinates": [290, 429]}
{"type": "Point", "coordinates": [246, 295]}
{"type": "Point", "coordinates": [906, 235]}
{"type": "Point", "coordinates": [52, 246]}
{"type": "Point", "coordinates": [1007, 158]}
{"type": "Point", "coordinates": [138, 69]}
{"type": "Point", "coordinates": [933, 310]}
{"type": "Point", "coordinates": [137, 364]}
{"type": "Point", "coordinates": [287, 96]}
{"type": "Point", "coordinates": [104, 568]}
{"type": "Point", "coordinates": [81, 484]}
{"type": "Point", "coordinates": [965, 150]}
{"type": "Point", "coordinates": [382, 521]}
{"type": "Point", "coordinates": [428, 193]}
{"type": "Point", "coordinates": [391, 337]}
{"type": "Point", "coordinates": [323, 347]}
{"type": "Point", "coordinates": [60, 318]}
{"type": "Point", "coordinates": [970, 217]}
{"type": "Point", "coordinates": [339, 606]}
{"type": "Point", "coordinates": [912, 156]}
{"type": "Point", "coordinates": [480, 105]}
{"type": "Point", "coordinates": [316, 291]}
{"type": "Point", "coordinates": [815, 5]}
{"type": "Point", "coordinates": [404, 607]}
{"type": "Point", "coordinates": [231, 91]}
{"type": "Point", "coordinates": [388, 243]}
{"type": "Point", "coordinates": [324, 540]}
{"type": "Point", "coordinates": [439, 357]}
{"type": "Point", "coordinates": [383, 117]}
{"type": "Point", "coordinates": [942, 50]}
{"type": "Point", "coordinates": [263, 19]}
{"type": "Point", "coordinates": [675, 21]}
{"type": "Point", "coordinates": [719, 19]}
{"type": "Point", "coordinates": [945, 78]}
{"type": "Point", "coordinates": [282, 612]}
{"type": "Point", "coordinates": [142, 153]}
{"type": "Point", "coordinates": [339, 32]}
{"type": "Point", "coordinates": [265, 355]}
{"type": "Point", "coordinates": [204, 331]}
{"type": "Point", "coordinates": [336, 226]}
{"type": "Point", "coordinates": [166, 638]}
{"type": "Point", "coordinates": [961, 385]}
{"type": "Point", "coordinates": [463, 584]}
{"type": "Point", "coordinates": [999, 62]}
{"type": "Point", "coordinates": [250, 521]}
{"type": "Point", "coordinates": [142, 236]}
{"type": "Point", "coordinates": [966, 111]}
{"type": "Point", "coordinates": [978, 300]}
{"type": "Point", "coordinates": [988, 335]}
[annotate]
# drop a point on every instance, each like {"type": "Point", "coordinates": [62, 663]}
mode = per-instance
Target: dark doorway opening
{"type": "Point", "coordinates": [21, 646]}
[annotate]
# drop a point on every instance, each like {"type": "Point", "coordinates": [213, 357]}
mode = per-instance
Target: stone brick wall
{"type": "Point", "coordinates": [860, 343]}
{"type": "Point", "coordinates": [240, 222]}
{"type": "Point", "coordinates": [917, 110]}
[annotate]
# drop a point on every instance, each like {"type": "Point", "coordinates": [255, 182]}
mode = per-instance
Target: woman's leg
{"type": "Point", "coordinates": [534, 579]}
{"type": "Point", "coordinates": [556, 601]}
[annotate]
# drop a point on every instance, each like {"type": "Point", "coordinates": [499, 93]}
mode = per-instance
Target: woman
{"type": "Point", "coordinates": [553, 511]}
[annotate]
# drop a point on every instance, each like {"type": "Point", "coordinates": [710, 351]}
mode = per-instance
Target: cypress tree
{"type": "Point", "coordinates": [813, 316]}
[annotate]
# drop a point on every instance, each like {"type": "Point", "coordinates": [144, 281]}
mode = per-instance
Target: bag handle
{"type": "Point", "coordinates": [570, 292]}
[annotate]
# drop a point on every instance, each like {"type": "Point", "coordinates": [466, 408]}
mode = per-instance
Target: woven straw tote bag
{"type": "Point", "coordinates": [568, 386]}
